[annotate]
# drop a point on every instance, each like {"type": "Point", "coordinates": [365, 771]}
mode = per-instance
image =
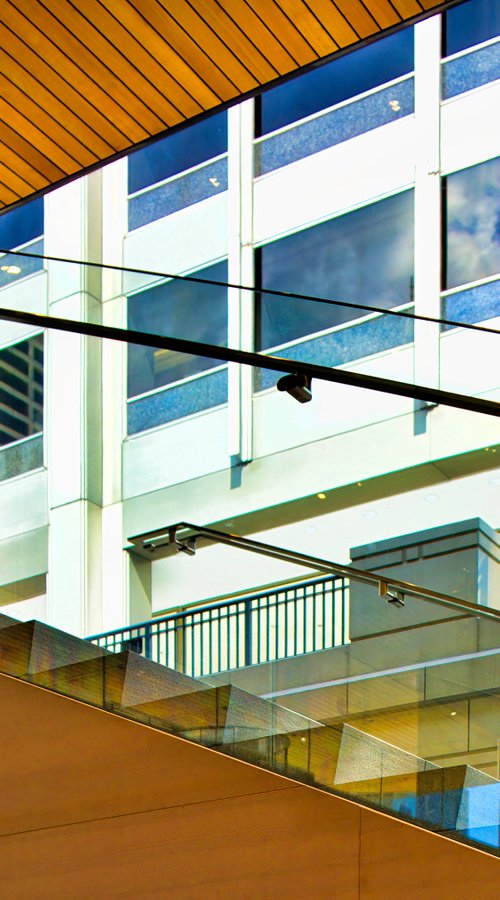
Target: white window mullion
{"type": "Point", "coordinates": [240, 271]}
{"type": "Point", "coordinates": [427, 199]}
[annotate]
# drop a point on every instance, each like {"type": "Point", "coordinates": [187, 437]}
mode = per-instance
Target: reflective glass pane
{"type": "Point", "coordinates": [336, 81]}
{"type": "Point", "coordinates": [365, 256]}
{"type": "Point", "coordinates": [469, 24]}
{"type": "Point", "coordinates": [21, 225]}
{"type": "Point", "coordinates": [182, 309]}
{"type": "Point", "coordinates": [473, 223]}
{"type": "Point", "coordinates": [177, 152]}
{"type": "Point", "coordinates": [21, 390]}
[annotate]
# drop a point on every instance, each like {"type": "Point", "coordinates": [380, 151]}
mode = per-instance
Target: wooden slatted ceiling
{"type": "Point", "coordinates": [85, 80]}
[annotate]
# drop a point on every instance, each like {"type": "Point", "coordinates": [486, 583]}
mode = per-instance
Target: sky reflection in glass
{"type": "Point", "coordinates": [473, 223]}
{"type": "Point", "coordinates": [177, 152]}
{"type": "Point", "coordinates": [470, 24]}
{"type": "Point", "coordinates": [365, 256]}
{"type": "Point", "coordinates": [336, 81]}
{"type": "Point", "coordinates": [21, 225]}
{"type": "Point", "coordinates": [181, 309]}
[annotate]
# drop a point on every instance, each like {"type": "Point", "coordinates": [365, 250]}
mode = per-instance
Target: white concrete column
{"type": "Point", "coordinates": [73, 422]}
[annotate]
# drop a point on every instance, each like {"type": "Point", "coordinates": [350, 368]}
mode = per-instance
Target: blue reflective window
{"type": "Point", "coordinates": [177, 152]}
{"type": "Point", "coordinates": [21, 390]}
{"type": "Point", "coordinates": [21, 225]}
{"type": "Point", "coordinates": [338, 80]}
{"type": "Point", "coordinates": [365, 256]}
{"type": "Point", "coordinates": [181, 309]}
{"type": "Point", "coordinates": [470, 24]}
{"type": "Point", "coordinates": [472, 230]}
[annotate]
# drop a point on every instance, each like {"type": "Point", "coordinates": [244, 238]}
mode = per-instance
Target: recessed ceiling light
{"type": "Point", "coordinates": [321, 496]}
{"type": "Point", "coordinates": [11, 270]}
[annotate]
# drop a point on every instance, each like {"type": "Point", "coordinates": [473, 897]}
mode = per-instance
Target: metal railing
{"type": "Point", "coordinates": [276, 624]}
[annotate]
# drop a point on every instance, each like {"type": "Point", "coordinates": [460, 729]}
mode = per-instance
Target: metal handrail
{"type": "Point", "coordinates": [166, 541]}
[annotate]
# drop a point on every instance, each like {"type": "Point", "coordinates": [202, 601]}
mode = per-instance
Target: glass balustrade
{"type": "Point", "coordinates": [404, 718]}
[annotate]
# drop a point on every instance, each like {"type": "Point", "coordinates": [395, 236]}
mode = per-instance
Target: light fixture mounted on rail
{"type": "Point", "coordinates": [298, 385]}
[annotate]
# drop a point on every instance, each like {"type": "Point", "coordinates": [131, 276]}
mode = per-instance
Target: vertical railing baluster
{"type": "Point", "coordinates": [248, 632]}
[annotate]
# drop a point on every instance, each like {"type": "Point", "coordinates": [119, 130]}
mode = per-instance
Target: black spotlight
{"type": "Point", "coordinates": [297, 385]}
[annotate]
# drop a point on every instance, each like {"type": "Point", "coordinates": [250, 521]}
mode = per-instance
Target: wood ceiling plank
{"type": "Point", "coordinates": [183, 44]}
{"type": "Point", "coordinates": [30, 154]}
{"type": "Point", "coordinates": [280, 24]}
{"type": "Point", "coordinates": [77, 88]}
{"type": "Point", "coordinates": [14, 181]}
{"type": "Point", "coordinates": [259, 34]}
{"type": "Point", "coordinates": [83, 146]}
{"type": "Point", "coordinates": [7, 196]}
{"type": "Point", "coordinates": [134, 49]}
{"type": "Point", "coordinates": [362, 22]}
{"type": "Point", "coordinates": [309, 26]}
{"type": "Point", "coordinates": [430, 4]}
{"type": "Point", "coordinates": [384, 12]}
{"type": "Point", "coordinates": [221, 24]}
{"type": "Point", "coordinates": [333, 20]}
{"type": "Point", "coordinates": [37, 138]}
{"type": "Point", "coordinates": [198, 88]}
{"type": "Point", "coordinates": [26, 171]}
{"type": "Point", "coordinates": [67, 19]}
{"type": "Point", "coordinates": [407, 8]}
{"type": "Point", "coordinates": [25, 82]}
{"type": "Point", "coordinates": [211, 44]}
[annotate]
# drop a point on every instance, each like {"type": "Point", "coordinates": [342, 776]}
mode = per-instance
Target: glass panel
{"type": "Point", "coordinates": [21, 225]}
{"type": "Point", "coordinates": [21, 456]}
{"type": "Point", "coordinates": [182, 309]}
{"type": "Point", "coordinates": [471, 71]}
{"type": "Point", "coordinates": [177, 152]}
{"type": "Point", "coordinates": [13, 267]}
{"type": "Point", "coordinates": [176, 194]}
{"type": "Point", "coordinates": [341, 124]}
{"type": "Point", "coordinates": [476, 304]}
{"type": "Point", "coordinates": [336, 81]}
{"type": "Point", "coordinates": [176, 401]}
{"type": "Point", "coordinates": [406, 718]}
{"type": "Point", "coordinates": [21, 390]}
{"type": "Point", "coordinates": [469, 24]}
{"type": "Point", "coordinates": [473, 223]}
{"type": "Point", "coordinates": [365, 256]}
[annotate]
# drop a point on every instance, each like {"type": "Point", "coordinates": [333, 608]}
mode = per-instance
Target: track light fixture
{"type": "Point", "coordinates": [188, 546]}
{"type": "Point", "coordinates": [297, 385]}
{"type": "Point", "coordinates": [397, 598]}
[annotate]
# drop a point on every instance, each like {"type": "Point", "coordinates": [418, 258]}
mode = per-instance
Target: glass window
{"type": "Point", "coordinates": [177, 152]}
{"type": "Point", "coordinates": [182, 309]}
{"type": "Point", "coordinates": [21, 390]}
{"type": "Point", "coordinates": [472, 231]}
{"type": "Point", "coordinates": [21, 225]}
{"type": "Point", "coordinates": [365, 256]}
{"type": "Point", "coordinates": [338, 80]}
{"type": "Point", "coordinates": [470, 24]}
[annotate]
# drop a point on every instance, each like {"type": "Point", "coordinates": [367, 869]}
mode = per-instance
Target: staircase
{"type": "Point", "coordinates": [458, 801]}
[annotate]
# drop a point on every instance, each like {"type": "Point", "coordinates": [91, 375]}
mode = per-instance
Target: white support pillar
{"type": "Point", "coordinates": [427, 199]}
{"type": "Point", "coordinates": [73, 423]}
{"type": "Point", "coordinates": [241, 271]}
